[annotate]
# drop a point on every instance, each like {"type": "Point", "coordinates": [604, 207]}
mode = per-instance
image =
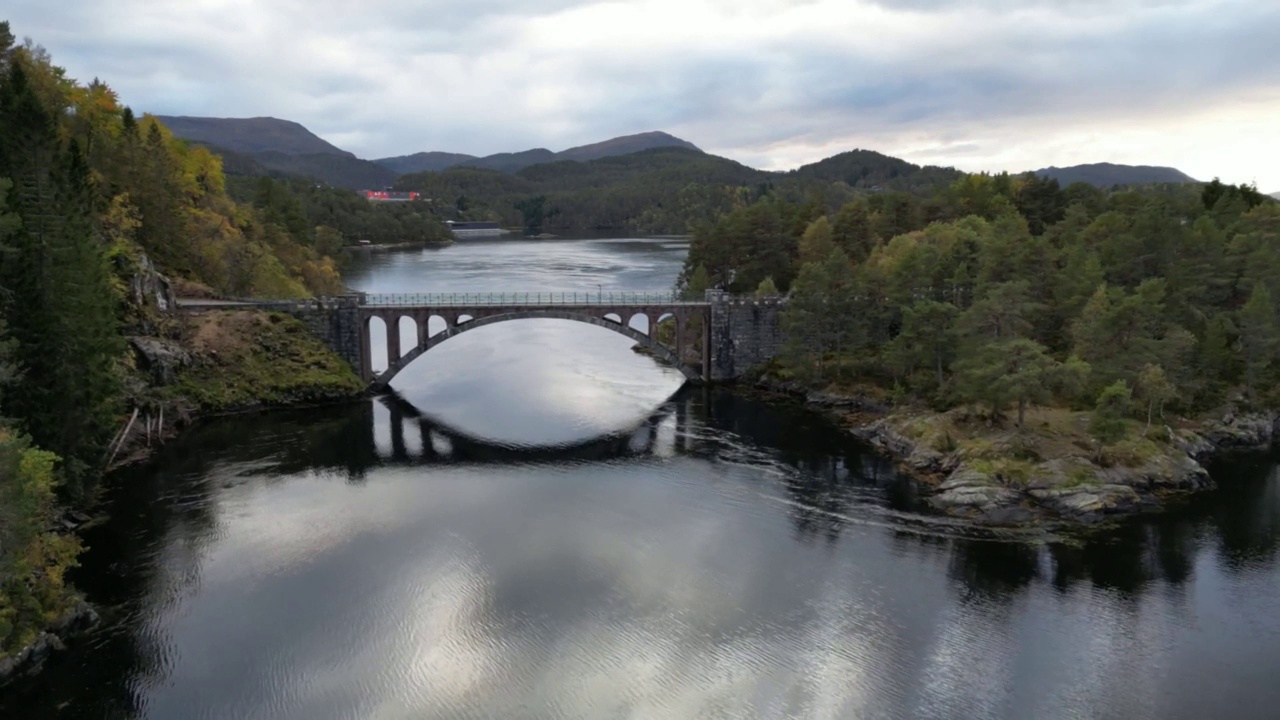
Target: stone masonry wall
{"type": "Point", "coordinates": [744, 334]}
{"type": "Point", "coordinates": [336, 322]}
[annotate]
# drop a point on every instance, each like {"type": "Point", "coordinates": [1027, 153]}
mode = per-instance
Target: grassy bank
{"type": "Point", "coordinates": [249, 359]}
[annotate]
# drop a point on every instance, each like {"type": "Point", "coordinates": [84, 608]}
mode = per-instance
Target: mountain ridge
{"type": "Point", "coordinates": [272, 146]}
{"type": "Point", "coordinates": [509, 162]}
{"type": "Point", "coordinates": [430, 161]}
{"type": "Point", "coordinates": [277, 147]}
{"type": "Point", "coordinates": [251, 135]}
{"type": "Point", "coordinates": [1106, 174]}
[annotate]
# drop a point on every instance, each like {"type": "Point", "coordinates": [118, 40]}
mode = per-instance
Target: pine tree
{"type": "Point", "coordinates": [1003, 312]}
{"type": "Point", "coordinates": [928, 337]}
{"type": "Point", "coordinates": [1106, 424]}
{"type": "Point", "coordinates": [843, 325]}
{"type": "Point", "coordinates": [1258, 335]}
{"type": "Point", "coordinates": [766, 288]}
{"type": "Point", "coordinates": [699, 283]}
{"type": "Point", "coordinates": [816, 244]}
{"type": "Point", "coordinates": [61, 307]}
{"type": "Point", "coordinates": [803, 320]}
{"type": "Point", "coordinates": [1016, 370]}
{"type": "Point", "coordinates": [852, 232]}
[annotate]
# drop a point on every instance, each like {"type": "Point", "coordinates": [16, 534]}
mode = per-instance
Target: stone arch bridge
{"type": "Point", "coordinates": [717, 338]}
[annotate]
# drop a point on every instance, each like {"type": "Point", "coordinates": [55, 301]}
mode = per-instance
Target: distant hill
{"type": "Point", "coordinates": [676, 167]}
{"type": "Point", "coordinates": [250, 135]}
{"type": "Point", "coordinates": [625, 145]}
{"type": "Point", "coordinates": [1109, 174]}
{"type": "Point", "coordinates": [234, 163]}
{"type": "Point", "coordinates": [868, 169]}
{"type": "Point", "coordinates": [347, 171]}
{"type": "Point", "coordinates": [514, 162]}
{"type": "Point", "coordinates": [424, 162]}
{"type": "Point", "coordinates": [1276, 195]}
{"type": "Point", "coordinates": [278, 148]}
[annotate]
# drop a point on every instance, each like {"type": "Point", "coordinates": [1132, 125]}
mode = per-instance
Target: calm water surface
{"type": "Point", "coordinates": [540, 526]}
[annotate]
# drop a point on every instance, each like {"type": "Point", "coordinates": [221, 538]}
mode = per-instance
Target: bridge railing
{"type": "Point", "coordinates": [526, 298]}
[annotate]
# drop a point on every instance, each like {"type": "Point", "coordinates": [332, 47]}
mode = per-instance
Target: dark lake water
{"type": "Point", "coordinates": [541, 526]}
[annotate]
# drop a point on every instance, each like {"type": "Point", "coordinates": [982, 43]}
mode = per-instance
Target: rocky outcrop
{"type": "Point", "coordinates": [79, 619]}
{"type": "Point", "coordinates": [1254, 430]}
{"type": "Point", "coordinates": [968, 491]}
{"type": "Point", "coordinates": [829, 401]}
{"type": "Point", "coordinates": [1069, 488]}
{"type": "Point", "coordinates": [993, 486]}
{"type": "Point", "coordinates": [919, 457]}
{"type": "Point", "coordinates": [147, 287]}
{"type": "Point", "coordinates": [162, 359]}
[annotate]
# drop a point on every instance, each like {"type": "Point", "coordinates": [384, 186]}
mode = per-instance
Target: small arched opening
{"type": "Point", "coordinates": [376, 332]}
{"type": "Point", "coordinates": [408, 329]}
{"type": "Point", "coordinates": [640, 323]}
{"type": "Point", "coordinates": [436, 325]}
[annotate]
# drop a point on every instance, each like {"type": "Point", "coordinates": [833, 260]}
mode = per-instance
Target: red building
{"type": "Point", "coordinates": [390, 196]}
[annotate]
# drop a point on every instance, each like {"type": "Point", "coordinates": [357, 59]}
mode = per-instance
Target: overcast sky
{"type": "Point", "coordinates": [978, 84]}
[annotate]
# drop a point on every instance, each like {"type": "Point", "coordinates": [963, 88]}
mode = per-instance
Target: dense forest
{"type": "Point", "coordinates": [328, 218]}
{"type": "Point", "coordinates": [1003, 291]}
{"type": "Point", "coordinates": [93, 200]}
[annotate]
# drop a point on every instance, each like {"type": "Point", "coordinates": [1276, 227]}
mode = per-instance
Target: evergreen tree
{"type": "Point", "coordinates": [843, 325]}
{"type": "Point", "coordinates": [928, 338]}
{"type": "Point", "coordinates": [698, 285]}
{"type": "Point", "coordinates": [1118, 333]}
{"type": "Point", "coordinates": [1258, 335]}
{"type": "Point", "coordinates": [816, 244]}
{"type": "Point", "coordinates": [1106, 424]}
{"type": "Point", "coordinates": [1016, 370]}
{"type": "Point", "coordinates": [61, 305]}
{"type": "Point", "coordinates": [803, 320]}
{"type": "Point", "coordinates": [1003, 313]}
{"type": "Point", "coordinates": [1040, 201]}
{"type": "Point", "coordinates": [766, 288]}
{"type": "Point", "coordinates": [852, 231]}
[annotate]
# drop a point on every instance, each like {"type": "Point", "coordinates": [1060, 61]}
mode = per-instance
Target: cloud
{"type": "Point", "coordinates": [982, 84]}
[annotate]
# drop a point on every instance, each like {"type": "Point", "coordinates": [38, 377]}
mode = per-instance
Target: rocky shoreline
{"type": "Point", "coordinates": [79, 619]}
{"type": "Point", "coordinates": [1071, 488]}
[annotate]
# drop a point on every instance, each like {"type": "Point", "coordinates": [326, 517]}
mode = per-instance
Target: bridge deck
{"type": "Point", "coordinates": [529, 299]}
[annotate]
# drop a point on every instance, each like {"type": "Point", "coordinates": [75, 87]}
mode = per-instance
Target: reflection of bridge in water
{"type": "Point", "coordinates": [415, 438]}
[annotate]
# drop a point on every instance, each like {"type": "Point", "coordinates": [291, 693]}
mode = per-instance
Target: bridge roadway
{"type": "Point", "coordinates": [462, 312]}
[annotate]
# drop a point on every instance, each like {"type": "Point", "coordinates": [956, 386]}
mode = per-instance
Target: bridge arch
{"type": "Point", "coordinates": [661, 351]}
{"type": "Point", "coordinates": [648, 322]}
